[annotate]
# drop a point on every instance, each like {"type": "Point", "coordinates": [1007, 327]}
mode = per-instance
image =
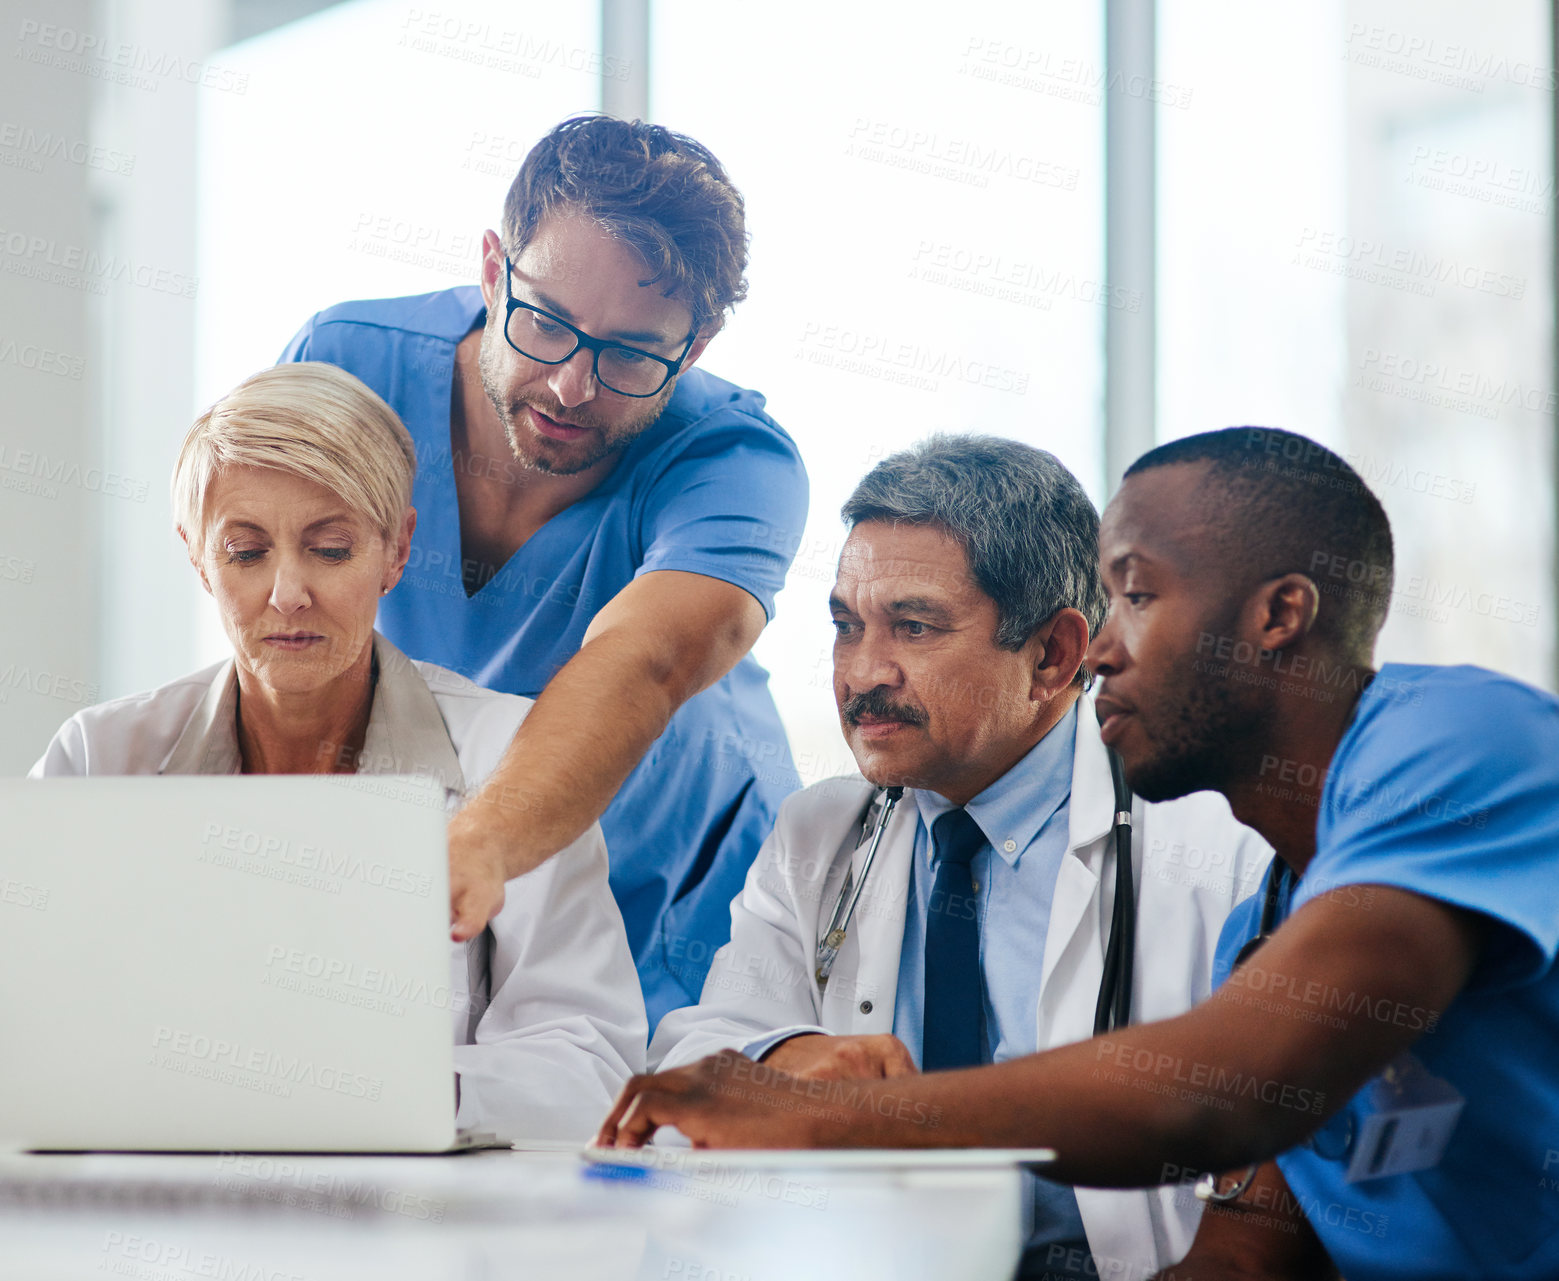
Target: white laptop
{"type": "Point", "coordinates": [225, 964]}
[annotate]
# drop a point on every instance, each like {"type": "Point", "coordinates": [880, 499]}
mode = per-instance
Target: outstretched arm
{"type": "Point", "coordinates": [662, 639]}
{"type": "Point", "coordinates": [1245, 1075]}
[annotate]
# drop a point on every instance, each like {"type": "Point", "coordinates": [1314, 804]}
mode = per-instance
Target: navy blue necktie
{"type": "Point", "coordinates": [955, 995]}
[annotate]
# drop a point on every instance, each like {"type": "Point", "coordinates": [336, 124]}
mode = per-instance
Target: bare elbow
{"type": "Point", "coordinates": [678, 641]}
{"type": "Point", "coordinates": [738, 634]}
{"type": "Point", "coordinates": [671, 669]}
{"type": "Point", "coordinates": [687, 664]}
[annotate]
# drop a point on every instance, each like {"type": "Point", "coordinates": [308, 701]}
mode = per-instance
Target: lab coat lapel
{"type": "Point", "coordinates": [866, 973]}
{"type": "Point", "coordinates": [406, 732]}
{"type": "Point", "coordinates": [209, 743]}
{"type": "Point", "coordinates": [1074, 957]}
{"type": "Point", "coordinates": [1120, 1225]}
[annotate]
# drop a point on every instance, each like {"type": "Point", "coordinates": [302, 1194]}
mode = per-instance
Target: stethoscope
{"type": "Point", "coordinates": [1113, 1009]}
{"type": "Point", "coordinates": [1277, 880]}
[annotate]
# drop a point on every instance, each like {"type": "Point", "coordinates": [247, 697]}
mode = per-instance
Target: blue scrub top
{"type": "Point", "coordinates": [713, 487]}
{"type": "Point", "coordinates": [1446, 783]}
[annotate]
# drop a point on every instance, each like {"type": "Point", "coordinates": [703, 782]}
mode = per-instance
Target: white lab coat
{"type": "Point", "coordinates": [1193, 863]}
{"type": "Point", "coordinates": [548, 1018]}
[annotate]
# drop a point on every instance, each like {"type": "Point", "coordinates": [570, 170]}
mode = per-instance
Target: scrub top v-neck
{"type": "Point", "coordinates": [715, 487]}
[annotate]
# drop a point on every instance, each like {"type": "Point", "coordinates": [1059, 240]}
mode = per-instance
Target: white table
{"type": "Point", "coordinates": [490, 1216]}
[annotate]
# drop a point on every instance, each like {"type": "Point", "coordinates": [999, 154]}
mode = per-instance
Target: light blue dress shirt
{"type": "Point", "coordinates": [1024, 815]}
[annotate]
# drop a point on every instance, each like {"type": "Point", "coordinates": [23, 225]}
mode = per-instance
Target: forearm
{"type": "Point", "coordinates": [1247, 1074]}
{"type": "Point", "coordinates": [1128, 1110]}
{"type": "Point", "coordinates": [659, 641]}
{"type": "Point", "coordinates": [590, 726]}
{"type": "Point", "coordinates": [735, 1012]}
{"type": "Point", "coordinates": [759, 982]}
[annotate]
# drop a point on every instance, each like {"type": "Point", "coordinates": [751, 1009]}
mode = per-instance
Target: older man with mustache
{"type": "Point", "coordinates": [967, 592]}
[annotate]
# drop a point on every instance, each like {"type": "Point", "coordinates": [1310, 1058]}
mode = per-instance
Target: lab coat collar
{"type": "Point", "coordinates": [209, 743]}
{"type": "Point", "coordinates": [406, 732]}
{"type": "Point", "coordinates": [863, 992]}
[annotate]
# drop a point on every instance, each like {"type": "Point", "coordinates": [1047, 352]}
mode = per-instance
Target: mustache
{"type": "Point", "coordinates": [875, 702]}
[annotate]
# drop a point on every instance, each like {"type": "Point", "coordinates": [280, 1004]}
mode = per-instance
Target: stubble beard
{"type": "Point", "coordinates": [606, 440]}
{"type": "Point", "coordinates": [1203, 740]}
{"type": "Point", "coordinates": [1202, 743]}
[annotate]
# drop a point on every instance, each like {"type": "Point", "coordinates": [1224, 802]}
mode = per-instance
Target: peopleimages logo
{"type": "Point", "coordinates": [195, 1054]}
{"type": "Point", "coordinates": [127, 1254]}
{"type": "Point", "coordinates": [884, 357]}
{"type": "Point", "coordinates": [38, 146]}
{"type": "Point", "coordinates": [45, 472]}
{"type": "Point", "coordinates": [315, 974]}
{"type": "Point", "coordinates": [1403, 261]}
{"type": "Point", "coordinates": [119, 62]}
{"type": "Point", "coordinates": [964, 160]}
{"type": "Point", "coordinates": [221, 841]}
{"type": "Point", "coordinates": [48, 684]}
{"type": "Point", "coordinates": [44, 258]}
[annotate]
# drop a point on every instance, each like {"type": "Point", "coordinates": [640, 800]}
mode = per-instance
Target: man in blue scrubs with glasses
{"type": "Point", "coordinates": [1371, 1091]}
{"type": "Point", "coordinates": [601, 526]}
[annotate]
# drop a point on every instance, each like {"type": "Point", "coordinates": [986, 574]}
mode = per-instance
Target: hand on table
{"type": "Point", "coordinates": [813, 1056]}
{"type": "Point", "coordinates": [728, 1101]}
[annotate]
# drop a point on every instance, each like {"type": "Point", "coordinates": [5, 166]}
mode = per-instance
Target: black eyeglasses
{"type": "Point", "coordinates": [550, 340]}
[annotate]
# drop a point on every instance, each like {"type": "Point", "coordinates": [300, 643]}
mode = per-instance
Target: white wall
{"type": "Point", "coordinates": [52, 501]}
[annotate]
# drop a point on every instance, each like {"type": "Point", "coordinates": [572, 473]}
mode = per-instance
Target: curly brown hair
{"type": "Point", "coordinates": [658, 191]}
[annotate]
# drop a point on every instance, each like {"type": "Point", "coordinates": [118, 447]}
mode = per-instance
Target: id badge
{"type": "Point", "coordinates": [1407, 1120]}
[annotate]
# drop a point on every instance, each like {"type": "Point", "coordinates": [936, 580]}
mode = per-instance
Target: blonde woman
{"type": "Point", "coordinates": [292, 495]}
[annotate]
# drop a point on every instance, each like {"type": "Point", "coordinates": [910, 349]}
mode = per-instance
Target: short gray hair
{"type": "Point", "coordinates": [1029, 530]}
